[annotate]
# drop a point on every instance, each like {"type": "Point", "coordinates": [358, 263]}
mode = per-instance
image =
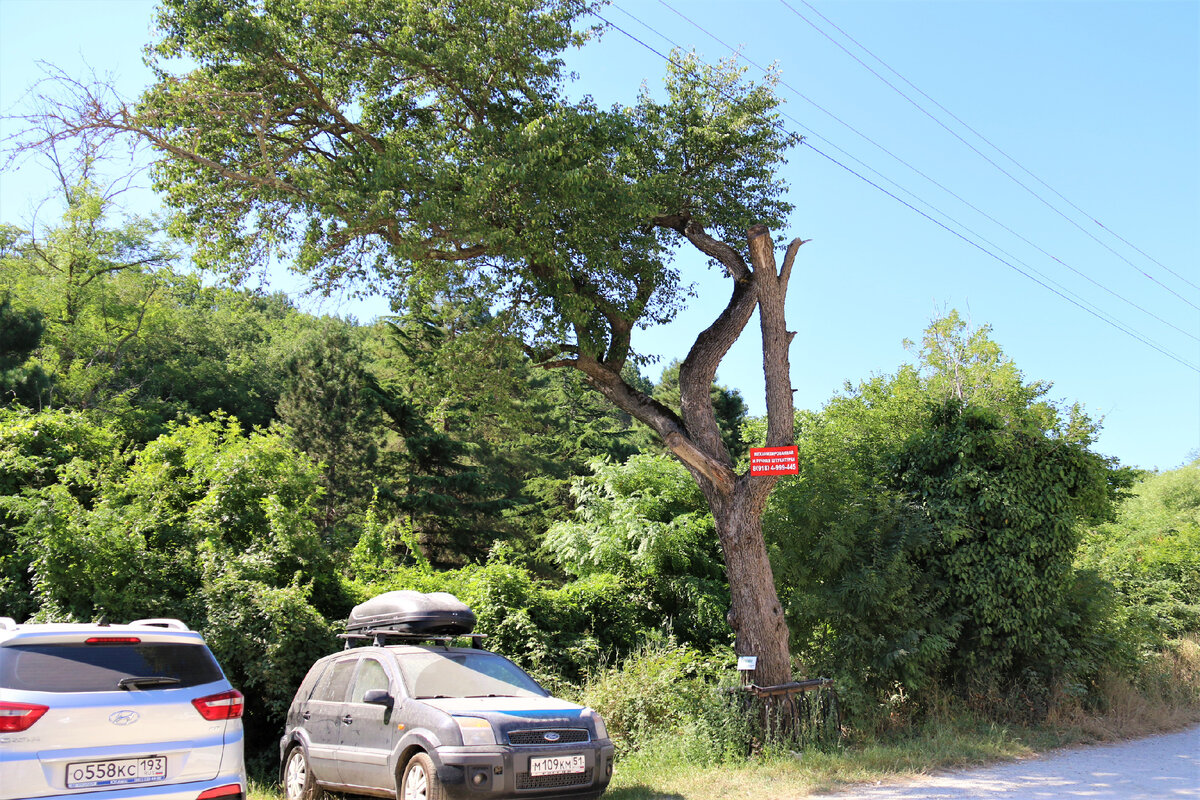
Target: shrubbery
{"type": "Point", "coordinates": [673, 701]}
{"type": "Point", "coordinates": [1150, 555]}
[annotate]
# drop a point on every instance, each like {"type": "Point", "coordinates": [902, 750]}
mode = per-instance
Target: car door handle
{"type": "Point", "coordinates": [306, 715]}
{"type": "Point", "coordinates": [347, 719]}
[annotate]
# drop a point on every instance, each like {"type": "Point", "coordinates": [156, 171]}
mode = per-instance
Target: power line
{"type": "Point", "coordinates": [737, 53]}
{"type": "Point", "coordinates": [1124, 329]}
{"type": "Point", "coordinates": [979, 153]}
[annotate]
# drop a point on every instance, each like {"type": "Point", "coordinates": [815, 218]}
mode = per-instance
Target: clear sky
{"type": "Point", "coordinates": [1084, 258]}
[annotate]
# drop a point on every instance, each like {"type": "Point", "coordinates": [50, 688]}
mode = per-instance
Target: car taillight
{"type": "Point", "coordinates": [16, 717]}
{"type": "Point", "coordinates": [113, 640]}
{"type": "Point", "coordinates": [226, 705]}
{"type": "Point", "coordinates": [232, 791]}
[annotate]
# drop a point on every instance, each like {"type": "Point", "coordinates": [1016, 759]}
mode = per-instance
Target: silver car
{"type": "Point", "coordinates": [116, 712]}
{"type": "Point", "coordinates": [427, 722]}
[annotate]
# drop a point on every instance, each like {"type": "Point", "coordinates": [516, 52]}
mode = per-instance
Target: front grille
{"type": "Point", "coordinates": [526, 781]}
{"type": "Point", "coordinates": [538, 737]}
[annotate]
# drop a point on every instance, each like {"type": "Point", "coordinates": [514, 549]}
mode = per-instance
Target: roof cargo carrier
{"type": "Point", "coordinates": [411, 613]}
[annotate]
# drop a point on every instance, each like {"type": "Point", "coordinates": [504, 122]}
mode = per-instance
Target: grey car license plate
{"type": "Point", "coordinates": [115, 772]}
{"type": "Point", "coordinates": [557, 765]}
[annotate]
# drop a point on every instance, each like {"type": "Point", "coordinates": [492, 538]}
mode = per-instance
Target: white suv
{"type": "Point", "coordinates": [116, 712]}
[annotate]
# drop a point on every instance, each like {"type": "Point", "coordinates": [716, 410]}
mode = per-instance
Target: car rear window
{"type": "Point", "coordinates": [102, 668]}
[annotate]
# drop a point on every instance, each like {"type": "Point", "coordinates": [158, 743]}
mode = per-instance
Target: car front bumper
{"type": "Point", "coordinates": [504, 771]}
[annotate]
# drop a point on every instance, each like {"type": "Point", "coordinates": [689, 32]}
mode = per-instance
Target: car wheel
{"type": "Point", "coordinates": [299, 783]}
{"type": "Point", "coordinates": [420, 780]}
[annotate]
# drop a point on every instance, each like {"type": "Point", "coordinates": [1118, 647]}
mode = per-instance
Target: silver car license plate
{"type": "Point", "coordinates": [557, 765]}
{"type": "Point", "coordinates": [115, 772]}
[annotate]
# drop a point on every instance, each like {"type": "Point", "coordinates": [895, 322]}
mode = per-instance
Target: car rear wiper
{"type": "Point", "coordinates": [135, 682]}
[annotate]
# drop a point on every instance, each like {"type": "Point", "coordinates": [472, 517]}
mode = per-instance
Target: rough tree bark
{"type": "Point", "coordinates": [737, 501]}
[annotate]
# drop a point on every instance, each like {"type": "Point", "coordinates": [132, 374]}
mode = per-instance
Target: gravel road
{"type": "Point", "coordinates": [1158, 768]}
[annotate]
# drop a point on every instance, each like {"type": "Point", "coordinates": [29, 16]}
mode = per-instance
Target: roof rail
{"type": "Point", "coordinates": [8, 624]}
{"type": "Point", "coordinates": [380, 635]}
{"type": "Point", "coordinates": [161, 622]}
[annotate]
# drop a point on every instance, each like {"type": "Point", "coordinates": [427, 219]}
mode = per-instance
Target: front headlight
{"type": "Point", "coordinates": [598, 721]}
{"type": "Point", "coordinates": [475, 731]}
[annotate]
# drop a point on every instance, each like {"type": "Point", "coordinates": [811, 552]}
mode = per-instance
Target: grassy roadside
{"type": "Point", "coordinates": [784, 777]}
{"type": "Point", "coordinates": [1165, 698]}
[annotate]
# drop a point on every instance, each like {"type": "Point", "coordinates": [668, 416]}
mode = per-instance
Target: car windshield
{"type": "Point", "coordinates": [106, 668]}
{"type": "Point", "coordinates": [435, 674]}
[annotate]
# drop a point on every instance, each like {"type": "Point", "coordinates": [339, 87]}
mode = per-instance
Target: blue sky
{"type": "Point", "coordinates": [1094, 102]}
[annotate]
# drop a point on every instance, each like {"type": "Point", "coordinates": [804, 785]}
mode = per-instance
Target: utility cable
{"type": "Point", "coordinates": [738, 54]}
{"type": "Point", "coordinates": [975, 150]}
{"type": "Point", "coordinates": [1124, 329]}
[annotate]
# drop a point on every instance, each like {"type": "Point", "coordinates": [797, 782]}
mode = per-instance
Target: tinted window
{"type": "Point", "coordinates": [371, 675]}
{"type": "Point", "coordinates": [334, 682]}
{"type": "Point", "coordinates": [481, 674]}
{"type": "Point", "coordinates": [101, 668]}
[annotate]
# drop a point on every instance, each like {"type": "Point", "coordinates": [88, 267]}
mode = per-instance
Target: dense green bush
{"type": "Point", "coordinates": [1151, 556]}
{"type": "Point", "coordinates": [928, 540]}
{"type": "Point", "coordinates": [646, 521]}
{"type": "Point", "coordinates": [557, 633]}
{"type": "Point", "coordinates": [674, 701]}
{"type": "Point", "coordinates": [1005, 505]}
{"type": "Point", "coordinates": [207, 523]}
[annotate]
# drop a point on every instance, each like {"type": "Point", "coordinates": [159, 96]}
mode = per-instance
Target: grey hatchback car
{"type": "Point", "coordinates": [423, 722]}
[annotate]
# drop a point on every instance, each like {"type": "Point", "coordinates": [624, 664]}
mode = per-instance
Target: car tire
{"type": "Point", "coordinates": [299, 783]}
{"type": "Point", "coordinates": [421, 780]}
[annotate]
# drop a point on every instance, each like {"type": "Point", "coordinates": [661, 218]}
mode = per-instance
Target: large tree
{"type": "Point", "coordinates": [430, 148]}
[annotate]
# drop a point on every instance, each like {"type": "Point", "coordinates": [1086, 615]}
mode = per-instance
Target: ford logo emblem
{"type": "Point", "coordinates": [551, 736]}
{"type": "Point", "coordinates": [124, 717]}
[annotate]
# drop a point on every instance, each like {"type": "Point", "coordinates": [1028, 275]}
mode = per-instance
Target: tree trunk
{"type": "Point", "coordinates": [755, 613]}
{"type": "Point", "coordinates": [737, 501]}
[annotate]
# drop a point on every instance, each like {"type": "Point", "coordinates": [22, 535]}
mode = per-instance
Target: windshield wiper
{"type": "Point", "coordinates": [135, 682]}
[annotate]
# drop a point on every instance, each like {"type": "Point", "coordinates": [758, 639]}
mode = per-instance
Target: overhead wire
{"type": "Point", "coordinates": [737, 53]}
{"type": "Point", "coordinates": [1044, 283]}
{"type": "Point", "coordinates": [1001, 169]}
{"type": "Point", "coordinates": [976, 133]}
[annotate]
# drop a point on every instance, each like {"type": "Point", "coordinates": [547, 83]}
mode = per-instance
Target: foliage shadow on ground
{"type": "Point", "coordinates": [640, 793]}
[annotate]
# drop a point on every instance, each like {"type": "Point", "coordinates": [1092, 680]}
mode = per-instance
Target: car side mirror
{"type": "Point", "coordinates": [379, 697]}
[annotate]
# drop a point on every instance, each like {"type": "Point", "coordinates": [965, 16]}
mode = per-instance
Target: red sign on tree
{"type": "Point", "coordinates": [775, 460]}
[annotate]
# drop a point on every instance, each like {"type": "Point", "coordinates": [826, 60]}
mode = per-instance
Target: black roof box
{"type": "Point", "coordinates": [413, 613]}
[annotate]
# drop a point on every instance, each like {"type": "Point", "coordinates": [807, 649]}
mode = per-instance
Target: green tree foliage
{"type": "Point", "coordinates": [126, 335]}
{"type": "Point", "coordinates": [330, 413]}
{"type": "Point", "coordinates": [930, 534]}
{"type": "Point", "coordinates": [58, 452]}
{"type": "Point", "coordinates": [452, 505]}
{"type": "Point", "coordinates": [206, 523]}
{"type": "Point", "coordinates": [1006, 507]}
{"type": "Point", "coordinates": [1151, 556]}
{"type": "Point", "coordinates": [94, 284]}
{"type": "Point", "coordinates": [646, 521]}
{"type": "Point", "coordinates": [20, 334]}
{"type": "Point", "coordinates": [432, 148]}
{"type": "Point", "coordinates": [557, 633]}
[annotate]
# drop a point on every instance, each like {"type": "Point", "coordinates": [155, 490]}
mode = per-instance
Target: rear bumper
{"type": "Point", "coordinates": [174, 791]}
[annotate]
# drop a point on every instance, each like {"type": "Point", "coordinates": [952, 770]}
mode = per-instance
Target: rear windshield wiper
{"type": "Point", "coordinates": [135, 682]}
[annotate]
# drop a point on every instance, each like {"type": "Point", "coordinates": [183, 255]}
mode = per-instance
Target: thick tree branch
{"type": "Point", "coordinates": [661, 419]}
{"type": "Point", "coordinates": [772, 295]}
